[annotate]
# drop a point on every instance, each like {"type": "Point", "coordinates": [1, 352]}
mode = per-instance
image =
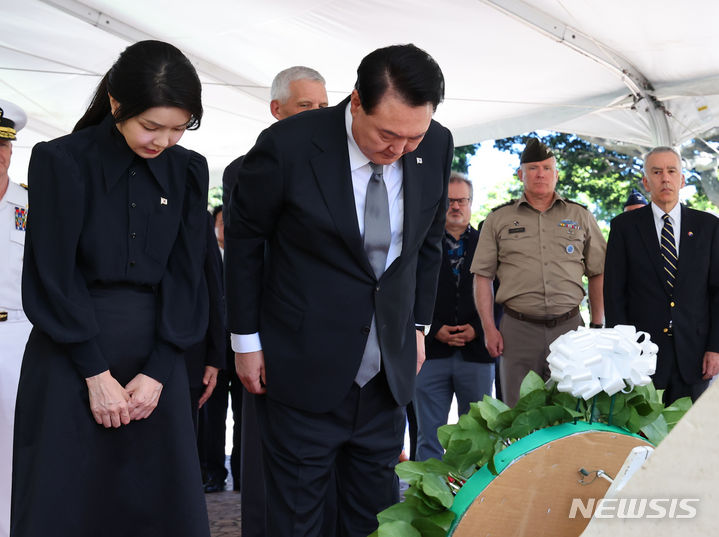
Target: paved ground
{"type": "Point", "coordinates": [223, 509]}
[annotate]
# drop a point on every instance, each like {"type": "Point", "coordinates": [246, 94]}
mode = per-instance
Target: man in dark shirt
{"type": "Point", "coordinates": [457, 361]}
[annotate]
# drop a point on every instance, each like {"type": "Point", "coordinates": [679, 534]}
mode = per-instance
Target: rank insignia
{"type": "Point", "coordinates": [20, 218]}
{"type": "Point", "coordinates": [569, 224]}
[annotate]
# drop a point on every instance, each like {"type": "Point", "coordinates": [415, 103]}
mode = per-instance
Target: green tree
{"type": "Point", "coordinates": [503, 191]}
{"type": "Point", "coordinates": [462, 154]}
{"type": "Point", "coordinates": [214, 197]}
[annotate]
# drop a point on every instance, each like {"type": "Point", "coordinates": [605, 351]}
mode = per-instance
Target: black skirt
{"type": "Point", "coordinates": [73, 477]}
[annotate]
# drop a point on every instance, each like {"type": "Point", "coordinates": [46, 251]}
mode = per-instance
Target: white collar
{"type": "Point", "coordinates": [675, 213]}
{"type": "Point", "coordinates": [15, 194]}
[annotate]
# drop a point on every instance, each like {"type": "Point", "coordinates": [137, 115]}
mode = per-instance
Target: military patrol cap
{"type": "Point", "coordinates": [635, 198]}
{"type": "Point", "coordinates": [535, 151]}
{"type": "Point", "coordinates": [12, 120]}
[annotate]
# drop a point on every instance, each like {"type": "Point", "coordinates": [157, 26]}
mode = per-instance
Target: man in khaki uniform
{"type": "Point", "coordinates": [539, 247]}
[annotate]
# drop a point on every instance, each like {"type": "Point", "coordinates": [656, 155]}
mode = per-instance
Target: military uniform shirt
{"type": "Point", "coordinates": [540, 257]}
{"type": "Point", "coordinates": [13, 219]}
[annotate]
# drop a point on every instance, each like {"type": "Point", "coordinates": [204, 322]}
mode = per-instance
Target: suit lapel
{"type": "Point", "coordinates": [334, 178]}
{"type": "Point", "coordinates": [648, 233]}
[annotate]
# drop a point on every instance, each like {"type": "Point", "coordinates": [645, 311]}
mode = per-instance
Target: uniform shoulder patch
{"type": "Point", "coordinates": [510, 202]}
{"type": "Point", "coordinates": [576, 203]}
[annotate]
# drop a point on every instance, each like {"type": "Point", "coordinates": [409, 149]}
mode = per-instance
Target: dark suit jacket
{"type": "Point", "coordinates": [313, 299]}
{"type": "Point", "coordinates": [455, 305]}
{"type": "Point", "coordinates": [636, 292]}
{"type": "Point", "coordinates": [229, 178]}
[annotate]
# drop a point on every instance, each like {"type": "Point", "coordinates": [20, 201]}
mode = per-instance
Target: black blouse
{"type": "Point", "coordinates": [102, 215]}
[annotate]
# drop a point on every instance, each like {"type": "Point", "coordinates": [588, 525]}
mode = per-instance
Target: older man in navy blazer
{"type": "Point", "coordinates": [350, 201]}
{"type": "Point", "coordinates": [662, 276]}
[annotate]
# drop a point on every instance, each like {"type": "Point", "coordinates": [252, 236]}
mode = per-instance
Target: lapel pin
{"type": "Point", "coordinates": [163, 201]}
{"type": "Point", "coordinates": [691, 233]}
{"type": "Point", "coordinates": [419, 160]}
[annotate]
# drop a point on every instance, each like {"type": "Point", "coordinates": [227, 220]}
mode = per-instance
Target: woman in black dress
{"type": "Point", "coordinates": [113, 285]}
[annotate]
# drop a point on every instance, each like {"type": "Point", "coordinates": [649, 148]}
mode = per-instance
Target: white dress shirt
{"type": "Point", "coordinates": [361, 173]}
{"type": "Point", "coordinates": [675, 217]}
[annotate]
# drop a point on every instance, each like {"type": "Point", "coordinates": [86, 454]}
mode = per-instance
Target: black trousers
{"type": "Point", "coordinates": [253, 475]}
{"type": "Point", "coordinates": [674, 386]}
{"type": "Point", "coordinates": [213, 426]}
{"type": "Point", "coordinates": [360, 440]}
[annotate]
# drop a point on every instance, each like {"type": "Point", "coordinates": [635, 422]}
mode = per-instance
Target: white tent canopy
{"type": "Point", "coordinates": [642, 72]}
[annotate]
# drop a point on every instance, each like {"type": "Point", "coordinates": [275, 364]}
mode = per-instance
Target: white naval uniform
{"type": "Point", "coordinates": [13, 332]}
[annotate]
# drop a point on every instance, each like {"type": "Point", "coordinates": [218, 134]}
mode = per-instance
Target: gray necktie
{"type": "Point", "coordinates": [377, 237]}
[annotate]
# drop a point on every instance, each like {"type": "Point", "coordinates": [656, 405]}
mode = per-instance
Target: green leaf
{"type": "Point", "coordinates": [531, 400]}
{"type": "Point", "coordinates": [602, 402]}
{"type": "Point", "coordinates": [505, 419]}
{"type": "Point", "coordinates": [490, 408]}
{"type": "Point", "coordinates": [648, 413]}
{"type": "Point", "coordinates": [566, 400]}
{"type": "Point", "coordinates": [556, 414]}
{"type": "Point", "coordinates": [620, 417]}
{"type": "Point", "coordinates": [443, 520]}
{"type": "Point", "coordinates": [527, 422]}
{"type": "Point", "coordinates": [436, 487]}
{"type": "Point", "coordinates": [437, 467]}
{"type": "Point", "coordinates": [428, 528]}
{"type": "Point", "coordinates": [444, 433]}
{"type": "Point", "coordinates": [398, 528]}
{"type": "Point", "coordinates": [424, 503]}
{"type": "Point", "coordinates": [410, 471]}
{"type": "Point", "coordinates": [399, 511]}
{"type": "Point", "coordinates": [466, 449]}
{"type": "Point", "coordinates": [673, 413]}
{"type": "Point", "coordinates": [468, 423]}
{"type": "Point", "coordinates": [532, 382]}
{"type": "Point", "coordinates": [420, 503]}
{"type": "Point", "coordinates": [634, 421]}
{"type": "Point", "coordinates": [656, 431]}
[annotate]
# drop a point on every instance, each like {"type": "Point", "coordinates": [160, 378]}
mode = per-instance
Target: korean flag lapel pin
{"type": "Point", "coordinates": [419, 161]}
{"type": "Point", "coordinates": [163, 201]}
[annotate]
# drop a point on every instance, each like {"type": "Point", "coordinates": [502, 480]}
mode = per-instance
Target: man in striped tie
{"type": "Point", "coordinates": [662, 276]}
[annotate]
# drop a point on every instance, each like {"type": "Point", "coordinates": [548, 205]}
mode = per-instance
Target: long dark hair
{"type": "Point", "coordinates": [147, 74]}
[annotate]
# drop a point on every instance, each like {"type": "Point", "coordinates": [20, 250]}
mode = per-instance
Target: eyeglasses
{"type": "Point", "coordinates": [459, 201]}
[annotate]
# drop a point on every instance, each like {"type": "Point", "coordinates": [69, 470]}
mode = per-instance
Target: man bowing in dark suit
{"type": "Point", "coordinates": [662, 276]}
{"type": "Point", "coordinates": [350, 201]}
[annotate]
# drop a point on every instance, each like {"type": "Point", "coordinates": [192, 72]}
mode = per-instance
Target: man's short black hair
{"type": "Point", "coordinates": [406, 69]}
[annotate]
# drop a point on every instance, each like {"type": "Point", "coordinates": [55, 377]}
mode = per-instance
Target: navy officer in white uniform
{"type": "Point", "coordinates": [14, 326]}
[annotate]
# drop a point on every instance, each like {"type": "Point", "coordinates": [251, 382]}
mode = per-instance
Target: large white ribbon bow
{"type": "Point", "coordinates": [586, 361]}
